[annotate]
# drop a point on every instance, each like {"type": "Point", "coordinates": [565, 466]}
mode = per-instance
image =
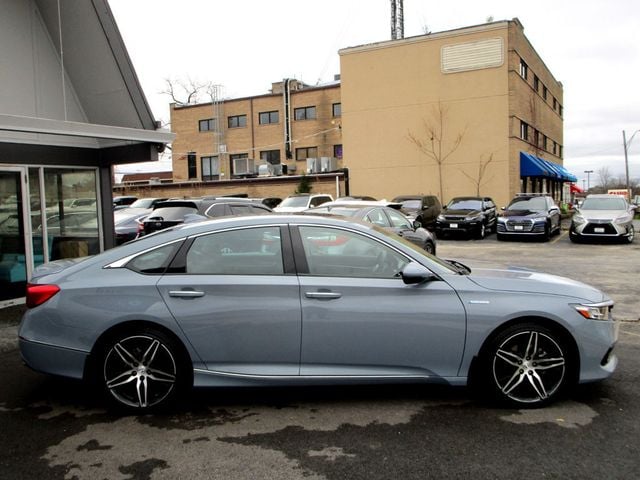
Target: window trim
{"type": "Point", "coordinates": [306, 115]}
{"type": "Point", "coordinates": [333, 110]}
{"type": "Point", "coordinates": [305, 158]}
{"type": "Point", "coordinates": [269, 117]}
{"type": "Point", "coordinates": [237, 117]}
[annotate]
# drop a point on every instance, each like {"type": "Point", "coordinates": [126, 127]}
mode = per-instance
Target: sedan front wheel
{"type": "Point", "coordinates": [526, 366]}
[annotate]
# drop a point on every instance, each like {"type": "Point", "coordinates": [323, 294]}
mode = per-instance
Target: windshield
{"type": "Point", "coordinates": [466, 204]}
{"type": "Point", "coordinates": [294, 202]}
{"type": "Point", "coordinates": [533, 204]}
{"type": "Point", "coordinates": [411, 204]}
{"type": "Point", "coordinates": [603, 203]}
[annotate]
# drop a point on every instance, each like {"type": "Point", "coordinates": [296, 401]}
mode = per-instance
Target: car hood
{"type": "Point", "coordinates": [529, 281]}
{"type": "Point", "coordinates": [522, 213]}
{"type": "Point", "coordinates": [461, 212]}
{"type": "Point", "coordinates": [602, 214]}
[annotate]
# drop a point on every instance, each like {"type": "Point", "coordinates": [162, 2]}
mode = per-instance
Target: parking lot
{"type": "Point", "coordinates": [54, 428]}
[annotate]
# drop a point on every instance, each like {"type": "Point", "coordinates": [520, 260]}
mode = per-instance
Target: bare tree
{"type": "Point", "coordinates": [433, 143]}
{"type": "Point", "coordinates": [606, 177]}
{"type": "Point", "coordinates": [482, 170]}
{"type": "Point", "coordinates": [188, 92]}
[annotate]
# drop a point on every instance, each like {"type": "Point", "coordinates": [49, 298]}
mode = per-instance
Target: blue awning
{"type": "Point", "coordinates": [532, 166]}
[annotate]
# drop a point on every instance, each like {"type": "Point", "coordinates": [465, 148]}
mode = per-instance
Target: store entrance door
{"type": "Point", "coordinates": [15, 257]}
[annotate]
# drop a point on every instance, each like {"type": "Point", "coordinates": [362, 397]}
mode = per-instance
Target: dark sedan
{"type": "Point", "coordinates": [471, 216]}
{"type": "Point", "coordinates": [383, 216]}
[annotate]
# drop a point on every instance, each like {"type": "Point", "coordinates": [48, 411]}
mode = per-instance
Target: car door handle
{"type": "Point", "coordinates": [323, 295]}
{"type": "Point", "coordinates": [185, 293]}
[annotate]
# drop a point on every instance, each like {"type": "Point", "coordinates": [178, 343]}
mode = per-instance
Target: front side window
{"type": "Point", "coordinates": [207, 125]}
{"type": "Point", "coordinates": [266, 118]}
{"type": "Point", "coordinates": [305, 113]}
{"type": "Point", "coordinates": [237, 121]}
{"type": "Point", "coordinates": [306, 152]}
{"type": "Point", "coordinates": [332, 252]}
{"type": "Point", "coordinates": [398, 220]}
{"type": "Point", "coordinates": [251, 251]}
{"type": "Point", "coordinates": [377, 217]}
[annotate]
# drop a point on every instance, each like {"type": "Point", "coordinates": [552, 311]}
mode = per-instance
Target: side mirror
{"type": "Point", "coordinates": [444, 207]}
{"type": "Point", "coordinates": [416, 224]}
{"type": "Point", "coordinates": [414, 273]}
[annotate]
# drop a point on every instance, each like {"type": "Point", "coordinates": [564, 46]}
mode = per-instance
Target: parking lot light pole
{"type": "Point", "coordinates": [626, 157]}
{"type": "Point", "coordinates": [588, 172]}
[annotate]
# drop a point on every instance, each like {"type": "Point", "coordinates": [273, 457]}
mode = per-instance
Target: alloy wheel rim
{"type": "Point", "coordinates": [140, 371]}
{"type": "Point", "coordinates": [529, 367]}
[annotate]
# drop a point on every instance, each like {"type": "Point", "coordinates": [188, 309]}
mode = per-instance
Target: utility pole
{"type": "Point", "coordinates": [626, 157]}
{"type": "Point", "coordinates": [588, 172]}
{"type": "Point", "coordinates": [397, 19]}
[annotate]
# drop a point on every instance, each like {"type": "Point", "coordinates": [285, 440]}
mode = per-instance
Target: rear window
{"type": "Point", "coordinates": [171, 213]}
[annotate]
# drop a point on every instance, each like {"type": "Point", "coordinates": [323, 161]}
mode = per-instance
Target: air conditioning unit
{"type": "Point", "coordinates": [290, 168]}
{"type": "Point", "coordinates": [243, 166]}
{"type": "Point", "coordinates": [328, 164]}
{"type": "Point", "coordinates": [278, 169]}
{"type": "Point", "coordinates": [266, 170]}
{"type": "Point", "coordinates": [313, 165]}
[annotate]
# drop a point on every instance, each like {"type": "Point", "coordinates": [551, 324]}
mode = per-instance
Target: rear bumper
{"type": "Point", "coordinates": [53, 360]}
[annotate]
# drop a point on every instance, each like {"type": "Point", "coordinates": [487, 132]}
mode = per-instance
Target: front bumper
{"type": "Point", "coordinates": [600, 229]}
{"type": "Point", "coordinates": [453, 226]}
{"type": "Point", "coordinates": [521, 227]}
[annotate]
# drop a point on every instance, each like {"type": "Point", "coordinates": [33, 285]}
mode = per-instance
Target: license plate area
{"type": "Point", "coordinates": [598, 230]}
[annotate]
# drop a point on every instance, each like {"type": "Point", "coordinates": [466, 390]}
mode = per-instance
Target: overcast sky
{"type": "Point", "coordinates": [591, 46]}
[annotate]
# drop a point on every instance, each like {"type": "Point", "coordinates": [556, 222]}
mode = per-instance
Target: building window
{"type": "Point", "coordinates": [269, 117]}
{"type": "Point", "coordinates": [555, 104]}
{"type": "Point", "coordinates": [240, 164]}
{"type": "Point", "coordinates": [210, 168]}
{"type": "Point", "coordinates": [238, 121]}
{"type": "Point", "coordinates": [524, 131]}
{"type": "Point", "coordinates": [336, 109]}
{"type": "Point", "coordinates": [544, 142]}
{"type": "Point", "coordinates": [555, 148]}
{"type": "Point", "coordinates": [306, 152]}
{"type": "Point", "coordinates": [524, 69]}
{"type": "Point", "coordinates": [192, 168]}
{"type": "Point", "coordinates": [560, 151]}
{"type": "Point", "coordinates": [536, 83]}
{"type": "Point", "coordinates": [337, 151]}
{"type": "Point", "coordinates": [207, 125]}
{"type": "Point", "coordinates": [270, 156]}
{"type": "Point", "coordinates": [305, 113]}
{"type": "Point", "coordinates": [544, 92]}
{"type": "Point", "coordinates": [536, 137]}
{"type": "Point", "coordinates": [560, 109]}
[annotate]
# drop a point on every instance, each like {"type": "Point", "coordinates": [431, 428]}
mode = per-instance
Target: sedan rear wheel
{"type": "Point", "coordinates": [527, 366]}
{"type": "Point", "coordinates": [142, 370]}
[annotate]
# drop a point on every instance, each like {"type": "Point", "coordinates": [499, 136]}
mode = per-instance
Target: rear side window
{"type": "Point", "coordinates": [250, 251]}
{"type": "Point", "coordinates": [155, 261]}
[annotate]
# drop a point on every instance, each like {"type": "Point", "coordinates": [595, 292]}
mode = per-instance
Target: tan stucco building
{"type": "Point", "coordinates": [473, 99]}
{"type": "Point", "coordinates": [230, 139]}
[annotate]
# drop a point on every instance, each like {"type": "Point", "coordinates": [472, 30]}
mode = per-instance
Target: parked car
{"type": "Point", "coordinates": [303, 300]}
{"type": "Point", "coordinates": [173, 212]}
{"type": "Point", "coordinates": [302, 201]}
{"type": "Point", "coordinates": [128, 223]}
{"type": "Point", "coordinates": [380, 214]}
{"type": "Point", "coordinates": [603, 217]}
{"type": "Point", "coordinates": [423, 209]}
{"type": "Point", "coordinates": [471, 216]}
{"type": "Point", "coordinates": [529, 214]}
{"type": "Point", "coordinates": [123, 201]}
{"type": "Point", "coordinates": [270, 202]}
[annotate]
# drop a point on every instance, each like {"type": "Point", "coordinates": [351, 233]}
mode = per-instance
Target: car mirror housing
{"type": "Point", "coordinates": [414, 273]}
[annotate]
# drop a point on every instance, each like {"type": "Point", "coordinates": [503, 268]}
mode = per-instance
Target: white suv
{"type": "Point", "coordinates": [302, 201]}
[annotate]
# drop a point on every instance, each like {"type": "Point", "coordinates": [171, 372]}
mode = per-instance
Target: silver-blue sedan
{"type": "Point", "coordinates": [275, 300]}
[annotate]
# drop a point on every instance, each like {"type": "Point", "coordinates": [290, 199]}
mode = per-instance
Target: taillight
{"type": "Point", "coordinates": [38, 294]}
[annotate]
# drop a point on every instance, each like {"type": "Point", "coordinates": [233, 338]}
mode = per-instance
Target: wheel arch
{"type": "Point", "coordinates": [545, 322]}
{"type": "Point", "coordinates": [132, 325]}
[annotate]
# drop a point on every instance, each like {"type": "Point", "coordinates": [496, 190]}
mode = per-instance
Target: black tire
{"type": "Point", "coordinates": [482, 232]}
{"type": "Point", "coordinates": [630, 235]}
{"type": "Point", "coordinates": [525, 366]}
{"type": "Point", "coordinates": [142, 369]}
{"type": "Point", "coordinates": [547, 233]}
{"type": "Point", "coordinates": [429, 247]}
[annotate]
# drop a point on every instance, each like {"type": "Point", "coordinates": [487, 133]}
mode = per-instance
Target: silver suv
{"type": "Point", "coordinates": [603, 216]}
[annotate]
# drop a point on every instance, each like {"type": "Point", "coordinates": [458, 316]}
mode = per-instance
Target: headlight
{"type": "Point", "coordinates": [539, 219]}
{"type": "Point", "coordinates": [595, 311]}
{"type": "Point", "coordinates": [474, 219]}
{"type": "Point", "coordinates": [441, 218]}
{"type": "Point", "coordinates": [579, 219]}
{"type": "Point", "coordinates": [502, 219]}
{"type": "Point", "coordinates": [626, 218]}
